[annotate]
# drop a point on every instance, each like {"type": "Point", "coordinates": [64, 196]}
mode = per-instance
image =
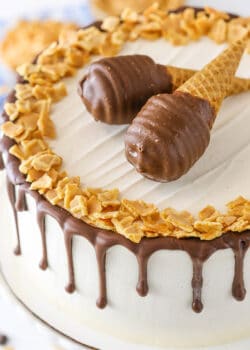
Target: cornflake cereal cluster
{"type": "Point", "coordinates": [28, 38]}
{"type": "Point", "coordinates": [30, 126]}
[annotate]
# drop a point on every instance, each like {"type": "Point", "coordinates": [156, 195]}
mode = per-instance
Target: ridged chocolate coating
{"type": "Point", "coordinates": [169, 135]}
{"type": "Point", "coordinates": [115, 89]}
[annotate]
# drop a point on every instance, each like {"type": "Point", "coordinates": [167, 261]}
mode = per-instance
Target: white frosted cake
{"type": "Point", "coordinates": [128, 286]}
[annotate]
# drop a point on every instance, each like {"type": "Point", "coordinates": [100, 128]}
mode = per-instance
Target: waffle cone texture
{"type": "Point", "coordinates": [181, 75]}
{"type": "Point", "coordinates": [215, 80]}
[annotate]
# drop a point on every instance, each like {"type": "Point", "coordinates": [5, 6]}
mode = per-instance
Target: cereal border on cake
{"type": "Point", "coordinates": [30, 125]}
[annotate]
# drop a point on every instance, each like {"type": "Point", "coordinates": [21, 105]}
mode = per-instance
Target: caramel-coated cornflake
{"type": "Point", "coordinates": [76, 57]}
{"type": "Point", "coordinates": [180, 221]}
{"type": "Point", "coordinates": [34, 146]}
{"type": "Point", "coordinates": [90, 39]}
{"type": "Point", "coordinates": [12, 130]}
{"type": "Point", "coordinates": [128, 227]}
{"type": "Point", "coordinates": [153, 223]}
{"type": "Point", "coordinates": [239, 225]}
{"type": "Point", "coordinates": [110, 23]}
{"type": "Point", "coordinates": [23, 91]}
{"type": "Point", "coordinates": [208, 213]}
{"type": "Point", "coordinates": [44, 182]}
{"type": "Point", "coordinates": [11, 110]}
{"type": "Point", "coordinates": [16, 151]}
{"type": "Point", "coordinates": [45, 161]}
{"type": "Point", "coordinates": [78, 206]}
{"type": "Point", "coordinates": [94, 205]}
{"type": "Point", "coordinates": [109, 198]}
{"type": "Point", "coordinates": [129, 15]}
{"type": "Point", "coordinates": [218, 32]}
{"type": "Point", "coordinates": [209, 230]}
{"type": "Point", "coordinates": [44, 123]}
{"type": "Point", "coordinates": [226, 220]}
{"type": "Point", "coordinates": [237, 206]}
{"type": "Point", "coordinates": [71, 190]}
{"type": "Point", "coordinates": [33, 175]}
{"type": "Point", "coordinates": [138, 208]}
{"type": "Point", "coordinates": [105, 224]}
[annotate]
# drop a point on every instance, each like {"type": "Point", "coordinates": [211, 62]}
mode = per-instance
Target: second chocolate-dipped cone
{"type": "Point", "coordinates": [214, 81]}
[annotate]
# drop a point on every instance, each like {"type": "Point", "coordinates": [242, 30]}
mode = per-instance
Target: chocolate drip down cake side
{"type": "Point", "coordinates": [126, 208]}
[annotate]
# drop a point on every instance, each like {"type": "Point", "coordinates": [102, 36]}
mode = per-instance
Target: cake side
{"type": "Point", "coordinates": [125, 320]}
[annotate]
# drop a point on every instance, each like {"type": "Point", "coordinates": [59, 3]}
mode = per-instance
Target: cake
{"type": "Point", "coordinates": [135, 256]}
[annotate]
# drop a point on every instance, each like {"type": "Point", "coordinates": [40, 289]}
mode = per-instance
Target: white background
{"type": "Point", "coordinates": [21, 329]}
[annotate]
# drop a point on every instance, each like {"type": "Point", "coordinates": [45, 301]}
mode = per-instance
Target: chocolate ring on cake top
{"type": "Point", "coordinates": [116, 88]}
{"type": "Point", "coordinates": [171, 132]}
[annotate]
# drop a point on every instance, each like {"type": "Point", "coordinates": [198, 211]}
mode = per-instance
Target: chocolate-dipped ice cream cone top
{"type": "Point", "coordinates": [116, 88]}
{"type": "Point", "coordinates": [171, 132]}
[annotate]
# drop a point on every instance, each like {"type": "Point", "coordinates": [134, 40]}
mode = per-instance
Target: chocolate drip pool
{"type": "Point", "coordinates": [102, 240]}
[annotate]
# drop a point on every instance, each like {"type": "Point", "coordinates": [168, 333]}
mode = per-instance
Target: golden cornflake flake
{"type": "Point", "coordinates": [110, 23]}
{"type": "Point", "coordinates": [33, 175]}
{"type": "Point", "coordinates": [129, 15]}
{"type": "Point", "coordinates": [45, 161]}
{"type": "Point", "coordinates": [16, 151]}
{"type": "Point", "coordinates": [104, 224]}
{"type": "Point", "coordinates": [12, 130]}
{"type": "Point", "coordinates": [44, 123]}
{"type": "Point", "coordinates": [128, 227]}
{"type": "Point", "coordinates": [218, 32]}
{"type": "Point", "coordinates": [78, 206]}
{"type": "Point", "coordinates": [155, 224]}
{"type": "Point", "coordinates": [44, 182]}
{"type": "Point", "coordinates": [94, 205]}
{"type": "Point", "coordinates": [239, 225]}
{"type": "Point", "coordinates": [209, 213]}
{"type": "Point", "coordinates": [138, 208]}
{"type": "Point", "coordinates": [90, 39]}
{"type": "Point", "coordinates": [71, 190]}
{"type": "Point", "coordinates": [12, 110]}
{"type": "Point", "coordinates": [226, 220]}
{"type": "Point", "coordinates": [76, 57]}
{"type": "Point", "coordinates": [209, 230]}
{"type": "Point", "coordinates": [178, 220]}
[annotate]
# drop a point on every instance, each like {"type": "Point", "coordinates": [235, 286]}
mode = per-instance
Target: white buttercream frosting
{"type": "Point", "coordinates": [95, 151]}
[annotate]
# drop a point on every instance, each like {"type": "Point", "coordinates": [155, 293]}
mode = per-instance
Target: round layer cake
{"type": "Point", "coordinates": [131, 290]}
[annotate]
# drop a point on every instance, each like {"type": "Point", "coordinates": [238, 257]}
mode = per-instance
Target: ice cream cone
{"type": "Point", "coordinates": [214, 81]}
{"type": "Point", "coordinates": [181, 75]}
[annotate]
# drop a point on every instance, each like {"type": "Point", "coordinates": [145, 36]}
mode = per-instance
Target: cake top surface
{"type": "Point", "coordinates": [93, 153]}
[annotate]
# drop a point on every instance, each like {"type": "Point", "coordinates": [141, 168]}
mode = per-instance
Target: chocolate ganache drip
{"type": "Point", "coordinates": [115, 89]}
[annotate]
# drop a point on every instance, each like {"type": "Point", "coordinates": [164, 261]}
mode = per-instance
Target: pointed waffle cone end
{"type": "Point", "coordinates": [214, 81]}
{"type": "Point", "coordinates": [181, 75]}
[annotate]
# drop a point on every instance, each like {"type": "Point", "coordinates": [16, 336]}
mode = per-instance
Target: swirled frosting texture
{"type": "Point", "coordinates": [115, 89]}
{"type": "Point", "coordinates": [169, 135]}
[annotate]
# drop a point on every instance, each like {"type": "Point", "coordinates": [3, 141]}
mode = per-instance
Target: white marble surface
{"type": "Point", "coordinates": [24, 332]}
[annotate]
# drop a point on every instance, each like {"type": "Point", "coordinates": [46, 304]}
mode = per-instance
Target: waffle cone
{"type": "Point", "coordinates": [181, 75]}
{"type": "Point", "coordinates": [214, 81]}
